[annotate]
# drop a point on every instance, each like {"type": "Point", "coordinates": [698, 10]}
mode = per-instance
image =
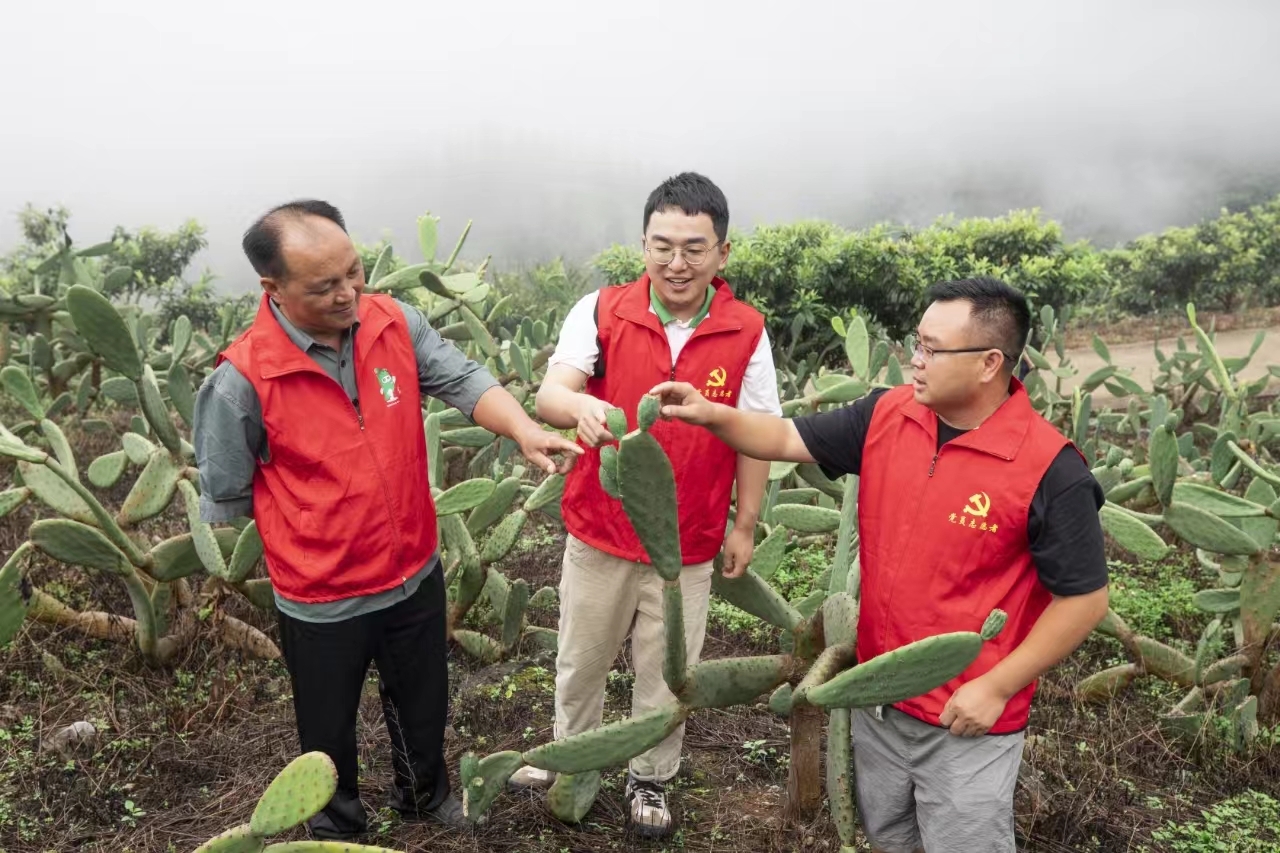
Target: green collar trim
{"type": "Point", "coordinates": [666, 317]}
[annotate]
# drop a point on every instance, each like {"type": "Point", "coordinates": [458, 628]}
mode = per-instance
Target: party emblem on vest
{"type": "Point", "coordinates": [715, 384]}
{"type": "Point", "coordinates": [387, 385]}
{"type": "Point", "coordinates": [977, 510]}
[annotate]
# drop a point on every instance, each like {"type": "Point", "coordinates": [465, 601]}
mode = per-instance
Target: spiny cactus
{"type": "Point", "coordinates": [1234, 535]}
{"type": "Point", "coordinates": [821, 664]}
{"type": "Point", "coordinates": [298, 792]}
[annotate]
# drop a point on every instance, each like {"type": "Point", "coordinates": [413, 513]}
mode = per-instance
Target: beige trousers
{"type": "Point", "coordinates": [604, 598]}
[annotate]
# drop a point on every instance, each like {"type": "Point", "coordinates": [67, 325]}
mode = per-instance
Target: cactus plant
{"type": "Point", "coordinates": [821, 665]}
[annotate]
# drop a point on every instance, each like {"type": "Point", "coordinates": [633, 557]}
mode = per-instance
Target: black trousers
{"type": "Point", "coordinates": [328, 662]}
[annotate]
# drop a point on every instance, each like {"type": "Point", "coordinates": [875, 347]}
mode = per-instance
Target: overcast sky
{"type": "Point", "coordinates": [548, 123]}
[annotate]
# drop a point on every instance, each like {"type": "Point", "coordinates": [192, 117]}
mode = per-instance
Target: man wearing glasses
{"type": "Point", "coordinates": [968, 500]}
{"type": "Point", "coordinates": [678, 321]}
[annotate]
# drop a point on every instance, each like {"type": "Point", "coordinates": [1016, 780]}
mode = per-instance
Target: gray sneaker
{"type": "Point", "coordinates": [529, 778]}
{"type": "Point", "coordinates": [647, 808]}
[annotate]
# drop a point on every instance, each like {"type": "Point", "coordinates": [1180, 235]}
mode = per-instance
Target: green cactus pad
{"type": "Point", "coordinates": [260, 593]}
{"type": "Point", "coordinates": [157, 413]}
{"type": "Point", "coordinates": [478, 646]}
{"type": "Point", "coordinates": [53, 491]}
{"type": "Point", "coordinates": [840, 774]}
{"type": "Point", "coordinates": [1105, 684]}
{"type": "Point", "coordinates": [1126, 492]}
{"type": "Point", "coordinates": [1166, 662]}
{"type": "Point", "coordinates": [1207, 531]}
{"type": "Point", "coordinates": [325, 847]}
{"type": "Point", "coordinates": [1229, 667]}
{"type": "Point", "coordinates": [465, 496]}
{"type": "Point", "coordinates": [1113, 626]}
{"type": "Point", "coordinates": [60, 446]}
{"type": "Point", "coordinates": [495, 506]}
{"type": "Point", "coordinates": [11, 499]}
{"type": "Point", "coordinates": [175, 558]}
{"type": "Point", "coordinates": [1259, 600]}
{"type": "Point", "coordinates": [474, 436]}
{"type": "Point", "coordinates": [648, 487]}
{"type": "Point", "coordinates": [513, 612]}
{"type": "Point", "coordinates": [768, 554]}
{"type": "Point", "coordinates": [137, 448]}
{"type": "Point", "coordinates": [241, 839]}
{"type": "Point", "coordinates": [616, 420]}
{"type": "Point", "coordinates": [549, 491]}
{"type": "Point", "coordinates": [545, 598]}
{"type": "Point", "coordinates": [182, 394]}
{"type": "Point", "coordinates": [153, 490]}
{"type": "Point", "coordinates": [1164, 463]}
{"type": "Point", "coordinates": [572, 795]}
{"type": "Point", "coordinates": [301, 790]}
{"type": "Point", "coordinates": [17, 383]}
{"type": "Point", "coordinates": [78, 544]}
{"type": "Point", "coordinates": [246, 554]}
{"type": "Point", "coordinates": [106, 470]}
{"type": "Point", "coordinates": [206, 544]}
{"type": "Point", "coordinates": [1131, 533]}
{"type": "Point", "coordinates": [840, 619]}
{"type": "Point", "coordinates": [491, 775]}
{"type": "Point", "coordinates": [607, 746]}
{"type": "Point", "coordinates": [675, 657]}
{"type": "Point", "coordinates": [647, 412]}
{"type": "Point", "coordinates": [904, 673]}
{"type": "Point", "coordinates": [780, 700]}
{"type": "Point", "coordinates": [846, 390]}
{"type": "Point", "coordinates": [1217, 600]}
{"type": "Point", "coordinates": [476, 327]}
{"type": "Point", "coordinates": [503, 537]}
{"type": "Point", "coordinates": [1221, 504]}
{"type": "Point", "coordinates": [104, 330]}
{"type": "Point", "coordinates": [993, 625]}
{"type": "Point", "coordinates": [812, 474]}
{"type": "Point", "coordinates": [1221, 458]}
{"type": "Point", "coordinates": [755, 596]}
{"type": "Point", "coordinates": [797, 496]}
{"type": "Point", "coordinates": [542, 638]}
{"type": "Point", "coordinates": [457, 540]}
{"type": "Point", "coordinates": [15, 593]}
{"type": "Point", "coordinates": [807, 519]}
{"type": "Point", "coordinates": [732, 681]}
{"type": "Point", "coordinates": [1261, 530]}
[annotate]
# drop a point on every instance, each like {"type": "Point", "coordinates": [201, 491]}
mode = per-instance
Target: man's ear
{"type": "Point", "coordinates": [271, 287]}
{"type": "Point", "coordinates": [725, 247]}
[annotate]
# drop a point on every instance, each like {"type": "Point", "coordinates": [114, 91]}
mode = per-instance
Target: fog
{"type": "Point", "coordinates": [549, 123]}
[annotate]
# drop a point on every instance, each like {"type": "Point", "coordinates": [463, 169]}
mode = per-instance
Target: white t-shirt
{"type": "Point", "coordinates": [577, 348]}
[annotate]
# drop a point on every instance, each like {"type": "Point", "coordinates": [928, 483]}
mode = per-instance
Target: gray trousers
{"type": "Point", "coordinates": [921, 787]}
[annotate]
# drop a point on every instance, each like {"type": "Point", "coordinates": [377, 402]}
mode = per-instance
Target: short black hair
{"type": "Point", "coordinates": [261, 241]}
{"type": "Point", "coordinates": [694, 194]}
{"type": "Point", "coordinates": [998, 309]}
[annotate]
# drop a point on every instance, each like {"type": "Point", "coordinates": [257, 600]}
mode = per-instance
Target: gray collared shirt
{"type": "Point", "coordinates": [229, 437]}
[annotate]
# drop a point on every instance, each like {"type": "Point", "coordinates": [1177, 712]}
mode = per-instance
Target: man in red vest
{"type": "Point", "coordinates": [312, 424]}
{"type": "Point", "coordinates": [678, 321]}
{"type": "Point", "coordinates": [968, 500]}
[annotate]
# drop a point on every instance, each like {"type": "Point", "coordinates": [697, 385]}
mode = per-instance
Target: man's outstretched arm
{"type": "Point", "coordinates": [754, 434]}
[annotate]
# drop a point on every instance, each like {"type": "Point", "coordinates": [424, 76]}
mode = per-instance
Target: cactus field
{"type": "Point", "coordinates": [144, 705]}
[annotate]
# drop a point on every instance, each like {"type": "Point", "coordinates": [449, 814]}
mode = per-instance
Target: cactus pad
{"type": "Point", "coordinates": [571, 795]}
{"type": "Point", "coordinates": [247, 552]}
{"type": "Point", "coordinates": [733, 681]}
{"type": "Point", "coordinates": [516, 603]}
{"type": "Point", "coordinates": [206, 544]}
{"type": "Point", "coordinates": [503, 537]}
{"type": "Point", "coordinates": [769, 553]}
{"type": "Point", "coordinates": [607, 746]}
{"type": "Point", "coordinates": [904, 673]}
{"type": "Point", "coordinates": [17, 382]}
{"type": "Point", "coordinates": [647, 412]}
{"type": "Point", "coordinates": [840, 619]}
{"type": "Point", "coordinates": [674, 659]}
{"type": "Point", "coordinates": [548, 491]}
{"type": "Point", "coordinates": [15, 593]}
{"type": "Point", "coordinates": [648, 487]}
{"type": "Point", "coordinates": [807, 519]}
{"type": "Point", "coordinates": [1107, 683]}
{"type": "Point", "coordinates": [241, 839]}
{"type": "Point", "coordinates": [840, 774]}
{"type": "Point", "coordinates": [157, 413]}
{"type": "Point", "coordinates": [616, 420]}
{"type": "Point", "coordinates": [153, 490]}
{"type": "Point", "coordinates": [301, 790]}
{"type": "Point", "coordinates": [478, 646]}
{"type": "Point", "coordinates": [756, 597]}
{"type": "Point", "coordinates": [494, 507]}
{"type": "Point", "coordinates": [1132, 534]}
{"type": "Point", "coordinates": [104, 330]}
{"type": "Point", "coordinates": [489, 780]}
{"type": "Point", "coordinates": [1165, 661]}
{"type": "Point", "coordinates": [1164, 463]}
{"type": "Point", "coordinates": [609, 471]}
{"type": "Point", "coordinates": [1205, 530]}
{"type": "Point", "coordinates": [53, 491]}
{"type": "Point", "coordinates": [326, 847]}
{"type": "Point", "coordinates": [465, 496]}
{"type": "Point", "coordinates": [11, 499]}
{"type": "Point", "coordinates": [993, 624]}
{"type": "Point", "coordinates": [78, 544]}
{"type": "Point", "coordinates": [106, 470]}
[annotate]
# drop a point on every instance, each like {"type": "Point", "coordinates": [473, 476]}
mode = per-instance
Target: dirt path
{"type": "Point", "coordinates": [1141, 357]}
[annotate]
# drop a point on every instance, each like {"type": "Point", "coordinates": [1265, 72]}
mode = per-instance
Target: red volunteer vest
{"type": "Point", "coordinates": [944, 535]}
{"type": "Point", "coordinates": [637, 357]}
{"type": "Point", "coordinates": [343, 505]}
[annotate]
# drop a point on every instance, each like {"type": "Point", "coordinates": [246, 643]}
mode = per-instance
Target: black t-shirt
{"type": "Point", "coordinates": [1063, 531]}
